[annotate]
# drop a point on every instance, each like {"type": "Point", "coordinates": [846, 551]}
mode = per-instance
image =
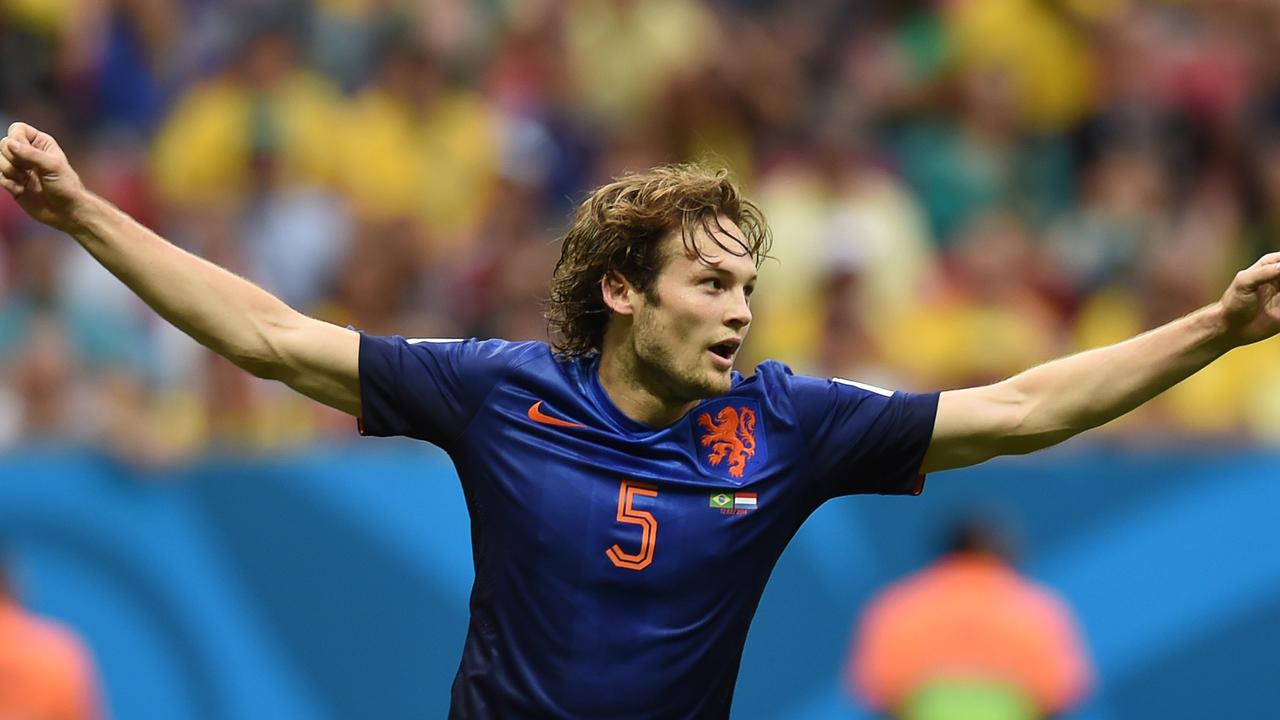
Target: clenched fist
{"type": "Point", "coordinates": [36, 173]}
{"type": "Point", "coordinates": [1251, 305]}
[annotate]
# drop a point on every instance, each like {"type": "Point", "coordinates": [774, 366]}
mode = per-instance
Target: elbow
{"type": "Point", "coordinates": [1032, 424]}
{"type": "Point", "coordinates": [261, 367]}
{"type": "Point", "coordinates": [260, 361]}
{"type": "Point", "coordinates": [978, 424]}
{"type": "Point", "coordinates": [267, 354]}
{"type": "Point", "coordinates": [1026, 444]}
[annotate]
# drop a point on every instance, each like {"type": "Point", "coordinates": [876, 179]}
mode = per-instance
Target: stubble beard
{"type": "Point", "coordinates": [658, 368]}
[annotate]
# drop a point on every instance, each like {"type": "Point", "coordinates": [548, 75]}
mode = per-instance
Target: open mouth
{"type": "Point", "coordinates": [726, 349]}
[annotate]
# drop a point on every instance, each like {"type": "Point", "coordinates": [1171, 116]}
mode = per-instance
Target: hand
{"type": "Point", "coordinates": [36, 173]}
{"type": "Point", "coordinates": [1251, 306]}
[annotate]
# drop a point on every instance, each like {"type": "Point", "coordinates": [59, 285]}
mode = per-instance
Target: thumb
{"type": "Point", "coordinates": [33, 157]}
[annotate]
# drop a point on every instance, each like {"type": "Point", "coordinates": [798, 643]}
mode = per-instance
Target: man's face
{"type": "Point", "coordinates": [688, 328]}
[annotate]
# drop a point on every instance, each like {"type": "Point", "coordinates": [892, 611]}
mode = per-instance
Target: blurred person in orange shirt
{"type": "Point", "coordinates": [46, 672]}
{"type": "Point", "coordinates": [968, 637]}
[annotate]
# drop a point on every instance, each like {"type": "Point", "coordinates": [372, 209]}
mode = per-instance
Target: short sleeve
{"type": "Point", "coordinates": [428, 389]}
{"type": "Point", "coordinates": [864, 439]}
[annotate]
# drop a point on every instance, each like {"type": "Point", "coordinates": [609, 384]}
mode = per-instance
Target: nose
{"type": "Point", "coordinates": [738, 314]}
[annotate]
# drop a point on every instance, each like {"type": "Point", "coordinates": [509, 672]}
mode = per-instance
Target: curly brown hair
{"type": "Point", "coordinates": [621, 227]}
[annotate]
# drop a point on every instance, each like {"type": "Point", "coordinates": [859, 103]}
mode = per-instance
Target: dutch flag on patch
{"type": "Point", "coordinates": [744, 500]}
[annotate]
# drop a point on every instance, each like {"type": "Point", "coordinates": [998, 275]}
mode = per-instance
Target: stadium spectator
{"type": "Point", "coordinates": [75, 363]}
{"type": "Point", "coordinates": [427, 151]}
{"type": "Point", "coordinates": [969, 637]}
{"type": "Point", "coordinates": [237, 103]}
{"type": "Point", "coordinates": [46, 672]}
{"type": "Point", "coordinates": [986, 318]}
{"type": "Point", "coordinates": [650, 304]}
{"type": "Point", "coordinates": [264, 103]}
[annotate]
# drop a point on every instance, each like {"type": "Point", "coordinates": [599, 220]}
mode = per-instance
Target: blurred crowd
{"type": "Point", "coordinates": [958, 189]}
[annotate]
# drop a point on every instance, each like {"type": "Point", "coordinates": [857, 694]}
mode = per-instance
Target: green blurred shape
{"type": "Point", "coordinates": [969, 699]}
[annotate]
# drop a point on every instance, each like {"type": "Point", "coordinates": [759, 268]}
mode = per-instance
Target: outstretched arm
{"type": "Point", "coordinates": [1048, 404]}
{"type": "Point", "coordinates": [222, 311]}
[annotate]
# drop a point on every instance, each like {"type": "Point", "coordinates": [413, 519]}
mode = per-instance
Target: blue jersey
{"type": "Point", "coordinates": [618, 566]}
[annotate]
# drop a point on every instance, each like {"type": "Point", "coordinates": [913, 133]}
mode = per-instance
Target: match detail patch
{"type": "Point", "coordinates": [739, 503]}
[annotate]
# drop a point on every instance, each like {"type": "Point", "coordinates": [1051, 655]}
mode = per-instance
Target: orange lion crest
{"type": "Point", "coordinates": [731, 436]}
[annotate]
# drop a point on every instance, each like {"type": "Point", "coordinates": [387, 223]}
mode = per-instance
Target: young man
{"type": "Point", "coordinates": [630, 493]}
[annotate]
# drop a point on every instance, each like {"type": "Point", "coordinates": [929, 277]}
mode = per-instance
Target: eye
{"type": "Point", "coordinates": [712, 283]}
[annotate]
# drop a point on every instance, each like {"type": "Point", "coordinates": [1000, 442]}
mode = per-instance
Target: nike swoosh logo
{"type": "Point", "coordinates": [536, 415]}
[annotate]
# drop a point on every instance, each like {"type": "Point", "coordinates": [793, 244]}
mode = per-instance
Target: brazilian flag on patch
{"type": "Point", "coordinates": [722, 500]}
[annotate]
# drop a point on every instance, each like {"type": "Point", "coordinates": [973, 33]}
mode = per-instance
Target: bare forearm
{"type": "Point", "coordinates": [1050, 403]}
{"type": "Point", "coordinates": [226, 313]}
{"type": "Point", "coordinates": [220, 310]}
{"type": "Point", "coordinates": [1067, 396]}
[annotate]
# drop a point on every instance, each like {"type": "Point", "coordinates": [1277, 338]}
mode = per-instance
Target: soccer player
{"type": "Point", "coordinates": [629, 492]}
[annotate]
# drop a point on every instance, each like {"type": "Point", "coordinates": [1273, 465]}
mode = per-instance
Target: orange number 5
{"type": "Point", "coordinates": [648, 526]}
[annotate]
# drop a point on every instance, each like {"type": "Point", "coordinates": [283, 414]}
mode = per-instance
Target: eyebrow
{"type": "Point", "coordinates": [717, 269]}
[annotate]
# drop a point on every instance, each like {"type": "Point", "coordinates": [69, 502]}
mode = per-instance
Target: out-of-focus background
{"type": "Point", "coordinates": [958, 189]}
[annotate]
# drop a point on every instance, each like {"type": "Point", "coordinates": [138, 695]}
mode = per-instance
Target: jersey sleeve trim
{"type": "Point", "coordinates": [863, 438]}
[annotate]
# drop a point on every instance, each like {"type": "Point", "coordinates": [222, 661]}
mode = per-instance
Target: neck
{"type": "Point", "coordinates": [630, 388]}
{"type": "Point", "coordinates": [977, 557]}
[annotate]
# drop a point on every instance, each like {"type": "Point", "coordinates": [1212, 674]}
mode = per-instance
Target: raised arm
{"type": "Point", "coordinates": [1048, 404]}
{"type": "Point", "coordinates": [222, 311]}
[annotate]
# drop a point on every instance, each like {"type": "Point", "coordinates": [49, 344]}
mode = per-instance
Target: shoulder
{"type": "Point", "coordinates": [491, 350]}
{"type": "Point", "coordinates": [768, 376]}
{"type": "Point", "coordinates": [776, 380]}
{"type": "Point", "coordinates": [775, 375]}
{"type": "Point", "coordinates": [495, 347]}
{"type": "Point", "coordinates": [1043, 604]}
{"type": "Point", "coordinates": [772, 377]}
{"type": "Point", "coordinates": [51, 645]}
{"type": "Point", "coordinates": [772, 385]}
{"type": "Point", "coordinates": [447, 362]}
{"type": "Point", "coordinates": [486, 344]}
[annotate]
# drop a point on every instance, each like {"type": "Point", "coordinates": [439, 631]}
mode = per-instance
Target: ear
{"type": "Point", "coordinates": [619, 295]}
